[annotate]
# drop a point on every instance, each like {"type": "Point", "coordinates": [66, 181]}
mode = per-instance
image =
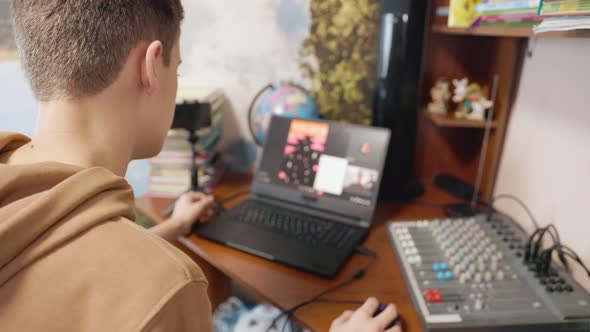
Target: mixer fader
{"type": "Point", "coordinates": [469, 275]}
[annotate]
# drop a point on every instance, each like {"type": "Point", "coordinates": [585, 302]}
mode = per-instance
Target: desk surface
{"type": "Point", "coordinates": [286, 287]}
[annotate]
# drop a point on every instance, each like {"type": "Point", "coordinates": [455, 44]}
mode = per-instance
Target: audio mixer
{"type": "Point", "coordinates": [470, 275]}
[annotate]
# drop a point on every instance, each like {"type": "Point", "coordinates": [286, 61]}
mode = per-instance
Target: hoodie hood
{"type": "Point", "coordinates": [44, 205]}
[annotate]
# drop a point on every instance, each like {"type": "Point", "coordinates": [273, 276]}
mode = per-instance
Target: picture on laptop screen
{"type": "Point", "coordinates": [322, 159]}
{"type": "Point", "coordinates": [306, 141]}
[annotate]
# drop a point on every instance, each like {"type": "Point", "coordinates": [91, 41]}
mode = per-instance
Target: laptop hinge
{"type": "Point", "coordinates": [339, 217]}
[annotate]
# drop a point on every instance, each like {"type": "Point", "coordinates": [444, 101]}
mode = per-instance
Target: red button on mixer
{"type": "Point", "coordinates": [433, 295]}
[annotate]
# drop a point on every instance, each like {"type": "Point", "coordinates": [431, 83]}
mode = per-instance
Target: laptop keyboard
{"type": "Point", "coordinates": [309, 229]}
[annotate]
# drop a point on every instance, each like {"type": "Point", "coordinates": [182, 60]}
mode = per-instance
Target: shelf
{"type": "Point", "coordinates": [450, 121]}
{"type": "Point", "coordinates": [521, 32]}
{"type": "Point", "coordinates": [517, 32]}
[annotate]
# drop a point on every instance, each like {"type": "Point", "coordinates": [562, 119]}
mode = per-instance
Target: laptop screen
{"type": "Point", "coordinates": [335, 166]}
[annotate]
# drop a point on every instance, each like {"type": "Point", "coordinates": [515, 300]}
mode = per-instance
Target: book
{"type": "Point", "coordinates": [170, 173]}
{"type": "Point", "coordinates": [509, 24]}
{"type": "Point", "coordinates": [508, 11]}
{"type": "Point", "coordinates": [506, 5]}
{"type": "Point", "coordinates": [564, 8]}
{"type": "Point", "coordinates": [525, 17]}
{"type": "Point", "coordinates": [462, 13]}
{"type": "Point", "coordinates": [563, 24]}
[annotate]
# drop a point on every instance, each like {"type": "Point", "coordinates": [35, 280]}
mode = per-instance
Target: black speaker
{"type": "Point", "coordinates": [396, 101]}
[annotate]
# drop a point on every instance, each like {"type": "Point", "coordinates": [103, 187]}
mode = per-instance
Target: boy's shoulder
{"type": "Point", "coordinates": [134, 248]}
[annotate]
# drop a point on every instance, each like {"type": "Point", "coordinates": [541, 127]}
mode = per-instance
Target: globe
{"type": "Point", "coordinates": [287, 100]}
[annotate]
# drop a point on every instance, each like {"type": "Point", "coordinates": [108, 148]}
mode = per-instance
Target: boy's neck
{"type": "Point", "coordinates": [85, 132]}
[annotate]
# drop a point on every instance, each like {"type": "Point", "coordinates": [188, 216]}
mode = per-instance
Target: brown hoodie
{"type": "Point", "coordinates": [72, 260]}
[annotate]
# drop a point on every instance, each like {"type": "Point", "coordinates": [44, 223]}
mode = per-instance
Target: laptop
{"type": "Point", "coordinates": [313, 195]}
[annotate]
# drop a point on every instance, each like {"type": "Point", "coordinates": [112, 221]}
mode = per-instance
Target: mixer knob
{"type": "Point", "coordinates": [494, 266]}
{"type": "Point", "coordinates": [478, 250]}
{"type": "Point", "coordinates": [463, 278]}
{"type": "Point", "coordinates": [463, 265]}
{"type": "Point", "coordinates": [500, 255]}
{"type": "Point", "coordinates": [472, 268]}
{"type": "Point", "coordinates": [481, 267]}
{"type": "Point", "coordinates": [500, 275]}
{"type": "Point", "coordinates": [487, 276]}
{"type": "Point", "coordinates": [494, 259]}
{"type": "Point", "coordinates": [478, 304]}
{"type": "Point", "coordinates": [477, 278]}
{"type": "Point", "coordinates": [415, 259]}
{"type": "Point", "coordinates": [467, 259]}
{"type": "Point", "coordinates": [453, 260]}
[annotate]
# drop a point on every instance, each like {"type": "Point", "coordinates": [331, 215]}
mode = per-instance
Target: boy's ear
{"type": "Point", "coordinates": [149, 66]}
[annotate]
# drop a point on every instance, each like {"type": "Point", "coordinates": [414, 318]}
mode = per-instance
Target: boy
{"type": "Point", "coordinates": [104, 73]}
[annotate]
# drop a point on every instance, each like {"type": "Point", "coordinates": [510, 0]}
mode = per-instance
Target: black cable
{"type": "Point", "coordinates": [571, 253]}
{"type": "Point", "coordinates": [537, 245]}
{"type": "Point", "coordinates": [529, 246]}
{"type": "Point", "coordinates": [362, 250]}
{"type": "Point", "coordinates": [516, 199]}
{"type": "Point", "coordinates": [358, 274]}
{"type": "Point", "coordinates": [577, 259]}
{"type": "Point", "coordinates": [544, 261]}
{"type": "Point", "coordinates": [556, 239]}
{"type": "Point", "coordinates": [569, 249]}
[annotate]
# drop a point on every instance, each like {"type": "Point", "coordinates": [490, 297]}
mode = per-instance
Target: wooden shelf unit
{"type": "Point", "coordinates": [521, 32]}
{"type": "Point", "coordinates": [516, 32]}
{"type": "Point", "coordinates": [448, 145]}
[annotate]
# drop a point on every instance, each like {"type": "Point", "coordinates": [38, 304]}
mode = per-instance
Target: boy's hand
{"type": "Point", "coordinates": [189, 208]}
{"type": "Point", "coordinates": [362, 320]}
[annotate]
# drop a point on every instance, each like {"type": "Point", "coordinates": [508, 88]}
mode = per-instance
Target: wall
{"type": "Point", "coordinates": [18, 108]}
{"type": "Point", "coordinates": [328, 46]}
{"type": "Point", "coordinates": [546, 159]}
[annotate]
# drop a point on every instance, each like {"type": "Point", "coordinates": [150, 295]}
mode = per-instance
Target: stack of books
{"type": "Point", "coordinates": [170, 173]}
{"type": "Point", "coordinates": [562, 15]}
{"type": "Point", "coordinates": [508, 13]}
{"type": "Point", "coordinates": [561, 8]}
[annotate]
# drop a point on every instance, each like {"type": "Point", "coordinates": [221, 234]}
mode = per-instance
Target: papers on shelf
{"type": "Point", "coordinates": [563, 24]}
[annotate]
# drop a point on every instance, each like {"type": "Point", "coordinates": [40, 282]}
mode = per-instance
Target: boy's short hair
{"type": "Point", "coordinates": [77, 48]}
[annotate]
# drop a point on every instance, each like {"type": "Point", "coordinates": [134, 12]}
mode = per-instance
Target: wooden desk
{"type": "Point", "coordinates": [285, 287]}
